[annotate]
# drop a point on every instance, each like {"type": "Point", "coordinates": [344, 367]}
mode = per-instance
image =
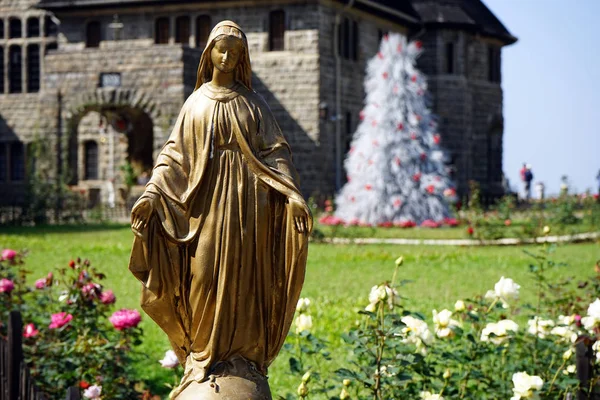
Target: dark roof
{"type": "Point", "coordinates": [466, 14]}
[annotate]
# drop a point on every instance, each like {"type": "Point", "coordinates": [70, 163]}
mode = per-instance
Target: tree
{"type": "Point", "coordinates": [395, 166]}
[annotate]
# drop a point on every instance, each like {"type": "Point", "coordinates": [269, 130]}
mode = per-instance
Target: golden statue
{"type": "Point", "coordinates": [222, 231]}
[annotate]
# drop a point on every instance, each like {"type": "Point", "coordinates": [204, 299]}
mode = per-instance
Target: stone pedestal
{"type": "Point", "coordinates": [231, 380]}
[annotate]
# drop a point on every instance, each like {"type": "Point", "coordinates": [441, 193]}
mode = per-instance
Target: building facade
{"type": "Point", "coordinates": [90, 86]}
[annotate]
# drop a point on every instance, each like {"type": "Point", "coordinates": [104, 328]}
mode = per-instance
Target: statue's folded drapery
{"type": "Point", "coordinates": [221, 262]}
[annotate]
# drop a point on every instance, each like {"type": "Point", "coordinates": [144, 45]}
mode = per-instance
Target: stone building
{"type": "Point", "coordinates": [100, 83]}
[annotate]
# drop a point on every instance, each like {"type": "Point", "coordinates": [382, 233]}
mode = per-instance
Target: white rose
{"type": "Point", "coordinates": [302, 305]}
{"type": "Point", "coordinates": [590, 323]}
{"type": "Point", "coordinates": [565, 333]}
{"type": "Point", "coordinates": [444, 323]}
{"type": "Point", "coordinates": [371, 307]}
{"type": "Point", "coordinates": [570, 369]}
{"type": "Point", "coordinates": [594, 309]}
{"type": "Point", "coordinates": [566, 320]}
{"type": "Point", "coordinates": [567, 354]}
{"type": "Point", "coordinates": [430, 396]}
{"type": "Point", "coordinates": [93, 392]}
{"type": "Point", "coordinates": [498, 332]}
{"type": "Point", "coordinates": [416, 332]}
{"type": "Point", "coordinates": [170, 360]}
{"type": "Point", "coordinates": [303, 323]}
{"type": "Point", "coordinates": [596, 348]}
{"type": "Point", "coordinates": [506, 290]}
{"type": "Point", "coordinates": [459, 306]}
{"type": "Point", "coordinates": [540, 327]}
{"type": "Point", "coordinates": [525, 385]}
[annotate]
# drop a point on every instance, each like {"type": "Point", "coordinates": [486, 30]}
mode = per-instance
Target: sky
{"type": "Point", "coordinates": [551, 83]}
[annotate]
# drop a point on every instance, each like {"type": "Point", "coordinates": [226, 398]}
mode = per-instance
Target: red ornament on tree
{"type": "Point", "coordinates": [418, 44]}
{"type": "Point", "coordinates": [396, 89]}
{"type": "Point", "coordinates": [385, 38]}
{"type": "Point", "coordinates": [413, 78]}
{"type": "Point", "coordinates": [380, 55]}
{"type": "Point", "coordinates": [397, 203]}
{"type": "Point", "coordinates": [362, 115]}
{"type": "Point", "coordinates": [399, 48]}
{"type": "Point", "coordinates": [423, 156]}
{"type": "Point", "coordinates": [368, 187]}
{"type": "Point", "coordinates": [431, 189]}
{"type": "Point", "coordinates": [374, 123]}
{"type": "Point", "coordinates": [351, 150]}
{"type": "Point", "coordinates": [437, 138]}
{"type": "Point", "coordinates": [400, 126]}
{"type": "Point", "coordinates": [417, 177]}
{"type": "Point", "coordinates": [397, 161]}
{"type": "Point", "coordinates": [413, 136]}
{"type": "Point", "coordinates": [385, 75]}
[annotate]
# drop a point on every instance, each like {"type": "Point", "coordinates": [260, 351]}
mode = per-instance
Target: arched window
{"type": "Point", "coordinates": [161, 31]}
{"type": "Point", "coordinates": [33, 68]}
{"type": "Point", "coordinates": [276, 30]}
{"type": "Point", "coordinates": [1, 70]}
{"type": "Point", "coordinates": [33, 27]}
{"type": "Point", "coordinates": [494, 63]}
{"type": "Point", "coordinates": [92, 34]}
{"type": "Point", "coordinates": [15, 71]}
{"type": "Point", "coordinates": [90, 159]}
{"type": "Point", "coordinates": [14, 28]}
{"type": "Point", "coordinates": [50, 27]}
{"type": "Point", "coordinates": [1, 29]}
{"type": "Point", "coordinates": [348, 39]}
{"type": "Point", "coordinates": [182, 30]}
{"type": "Point", "coordinates": [17, 161]}
{"type": "Point", "coordinates": [203, 27]}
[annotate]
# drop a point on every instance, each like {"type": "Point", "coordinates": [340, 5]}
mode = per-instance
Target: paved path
{"type": "Point", "coordinates": [580, 237]}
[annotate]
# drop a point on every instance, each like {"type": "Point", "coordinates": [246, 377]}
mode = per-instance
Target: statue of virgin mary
{"type": "Point", "coordinates": [222, 228]}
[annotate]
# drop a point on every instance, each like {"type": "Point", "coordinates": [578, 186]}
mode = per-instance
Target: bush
{"type": "Point", "coordinates": [70, 336]}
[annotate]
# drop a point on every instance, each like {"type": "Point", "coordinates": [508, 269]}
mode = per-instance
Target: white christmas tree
{"type": "Point", "coordinates": [395, 168]}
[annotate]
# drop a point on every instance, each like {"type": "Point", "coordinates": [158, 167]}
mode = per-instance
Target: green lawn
{"type": "Point", "coordinates": [338, 278]}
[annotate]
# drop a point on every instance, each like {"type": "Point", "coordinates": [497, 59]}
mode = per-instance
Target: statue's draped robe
{"type": "Point", "coordinates": [221, 262]}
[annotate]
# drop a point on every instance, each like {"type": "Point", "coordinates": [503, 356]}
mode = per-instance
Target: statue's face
{"type": "Point", "coordinates": [226, 54]}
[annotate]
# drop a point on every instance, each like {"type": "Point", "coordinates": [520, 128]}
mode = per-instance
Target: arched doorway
{"type": "Point", "coordinates": [110, 151]}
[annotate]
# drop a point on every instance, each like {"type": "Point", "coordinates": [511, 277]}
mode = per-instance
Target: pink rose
{"type": "Point", "coordinates": [108, 297]}
{"type": "Point", "coordinates": [59, 320]}
{"type": "Point", "coordinates": [40, 283]}
{"type": "Point", "coordinates": [124, 319]}
{"type": "Point", "coordinates": [8, 254]}
{"type": "Point", "coordinates": [91, 289]}
{"type": "Point", "coordinates": [30, 331]}
{"type": "Point", "coordinates": [6, 285]}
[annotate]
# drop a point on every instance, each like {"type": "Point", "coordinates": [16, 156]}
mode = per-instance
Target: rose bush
{"type": "Point", "coordinates": [69, 335]}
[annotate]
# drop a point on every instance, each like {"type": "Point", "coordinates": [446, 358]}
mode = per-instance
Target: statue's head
{"type": "Point", "coordinates": [226, 50]}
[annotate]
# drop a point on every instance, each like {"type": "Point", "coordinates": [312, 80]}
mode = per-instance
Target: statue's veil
{"type": "Point", "coordinates": [243, 71]}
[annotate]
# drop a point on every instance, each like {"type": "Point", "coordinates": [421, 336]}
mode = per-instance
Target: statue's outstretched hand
{"type": "Point", "coordinates": [141, 215]}
{"type": "Point", "coordinates": [302, 220]}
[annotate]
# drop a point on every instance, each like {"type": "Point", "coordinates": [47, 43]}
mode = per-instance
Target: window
{"type": "Point", "coordinates": [50, 27]}
{"type": "Point", "coordinates": [33, 27]}
{"type": "Point", "coordinates": [494, 72]}
{"type": "Point", "coordinates": [15, 72]}
{"type": "Point", "coordinates": [182, 30]}
{"type": "Point", "coordinates": [92, 34]}
{"type": "Point", "coordinates": [1, 70]}
{"type": "Point", "coordinates": [90, 154]}
{"type": "Point", "coordinates": [15, 30]}
{"type": "Point", "coordinates": [1, 29]}
{"type": "Point", "coordinates": [449, 58]}
{"type": "Point", "coordinates": [276, 30]}
{"type": "Point", "coordinates": [203, 26]}
{"type": "Point", "coordinates": [31, 159]}
{"type": "Point", "coordinates": [33, 68]}
{"type": "Point", "coordinates": [348, 39]}
{"type": "Point", "coordinates": [17, 161]}
{"type": "Point", "coordinates": [161, 32]}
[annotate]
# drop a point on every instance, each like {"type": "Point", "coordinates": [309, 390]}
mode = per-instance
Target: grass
{"type": "Point", "coordinates": [338, 279]}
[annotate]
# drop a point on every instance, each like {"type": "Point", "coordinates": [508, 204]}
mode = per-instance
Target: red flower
{"type": "Point", "coordinates": [84, 385]}
{"type": "Point", "coordinates": [470, 231]}
{"type": "Point", "coordinates": [436, 138]}
{"type": "Point", "coordinates": [30, 331]}
{"type": "Point", "coordinates": [508, 222]}
{"type": "Point", "coordinates": [124, 319]}
{"type": "Point", "coordinates": [108, 297]}
{"type": "Point", "coordinates": [451, 221]}
{"type": "Point", "coordinates": [8, 255]}
{"type": "Point", "coordinates": [407, 224]}
{"type": "Point", "coordinates": [72, 264]}
{"type": "Point", "coordinates": [428, 223]}
{"type": "Point", "coordinates": [59, 320]}
{"type": "Point", "coordinates": [387, 224]}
